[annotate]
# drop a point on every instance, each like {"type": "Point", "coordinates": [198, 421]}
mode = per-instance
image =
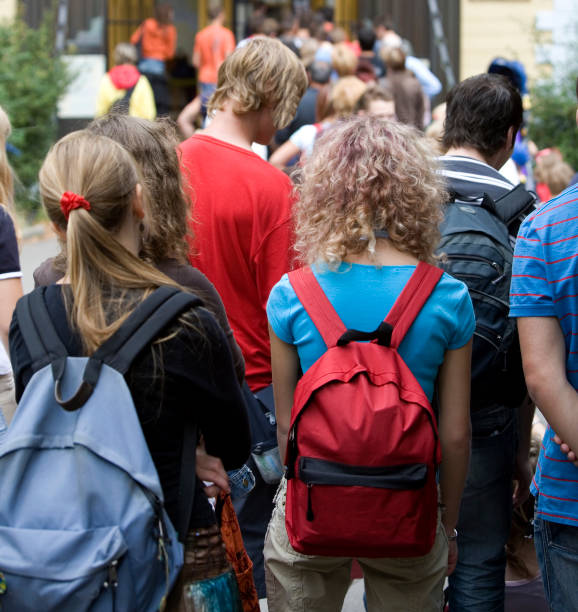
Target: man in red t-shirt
{"type": "Point", "coordinates": [242, 229]}
{"type": "Point", "coordinates": [241, 204]}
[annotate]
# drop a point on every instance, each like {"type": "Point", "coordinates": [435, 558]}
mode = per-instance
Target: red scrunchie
{"type": "Point", "coordinates": [69, 201]}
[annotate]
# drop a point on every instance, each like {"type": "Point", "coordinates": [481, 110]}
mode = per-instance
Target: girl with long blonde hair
{"type": "Point", "coordinates": [92, 188]}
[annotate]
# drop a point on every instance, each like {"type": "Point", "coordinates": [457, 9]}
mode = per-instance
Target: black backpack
{"type": "Point", "coordinates": [477, 250]}
{"type": "Point", "coordinates": [122, 105]}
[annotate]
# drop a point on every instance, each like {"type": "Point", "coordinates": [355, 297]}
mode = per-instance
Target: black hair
{"type": "Point", "coordinates": [479, 113]}
{"type": "Point", "coordinates": [385, 21]}
{"type": "Point", "coordinates": [366, 38]}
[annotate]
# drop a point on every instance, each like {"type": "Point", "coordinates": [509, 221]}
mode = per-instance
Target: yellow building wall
{"type": "Point", "coordinates": [491, 28]}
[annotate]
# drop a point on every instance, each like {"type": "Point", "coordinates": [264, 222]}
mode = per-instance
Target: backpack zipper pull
{"type": "Point", "coordinates": [310, 516]}
{"type": "Point", "coordinates": [113, 574]}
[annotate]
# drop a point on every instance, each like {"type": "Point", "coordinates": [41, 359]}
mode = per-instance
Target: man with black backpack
{"type": "Point", "coordinates": [484, 113]}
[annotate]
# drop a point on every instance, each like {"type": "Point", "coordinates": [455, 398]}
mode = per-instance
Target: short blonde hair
{"type": "Point", "coordinates": [345, 95]}
{"type": "Point", "coordinates": [262, 73]}
{"type": "Point", "coordinates": [343, 59]}
{"type": "Point", "coordinates": [394, 58]}
{"type": "Point", "coordinates": [368, 174]}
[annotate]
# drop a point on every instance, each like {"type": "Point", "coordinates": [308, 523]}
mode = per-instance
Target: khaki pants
{"type": "Point", "coordinates": [297, 582]}
{"type": "Point", "coordinates": [7, 400]}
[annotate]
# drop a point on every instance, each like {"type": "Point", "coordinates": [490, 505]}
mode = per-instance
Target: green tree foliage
{"type": "Point", "coordinates": [553, 116]}
{"type": "Point", "coordinates": [32, 80]}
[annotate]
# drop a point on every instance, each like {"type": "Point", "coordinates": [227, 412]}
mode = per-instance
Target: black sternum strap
{"type": "Point", "coordinates": [382, 334]}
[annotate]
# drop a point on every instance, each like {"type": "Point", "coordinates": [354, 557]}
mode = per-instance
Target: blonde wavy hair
{"type": "Point", "coordinates": [262, 73]}
{"type": "Point", "coordinates": [368, 174]}
{"type": "Point", "coordinates": [107, 280]}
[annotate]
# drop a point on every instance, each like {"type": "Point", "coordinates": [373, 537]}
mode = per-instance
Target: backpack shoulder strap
{"type": "Point", "coordinates": [37, 329]}
{"type": "Point", "coordinates": [518, 201]}
{"type": "Point", "coordinates": [411, 300]}
{"type": "Point", "coordinates": [143, 325]}
{"type": "Point", "coordinates": [317, 305]}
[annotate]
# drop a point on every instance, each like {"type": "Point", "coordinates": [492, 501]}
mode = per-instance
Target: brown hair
{"type": "Point", "coordinates": [153, 144]}
{"type": "Point", "coordinates": [554, 171]}
{"type": "Point", "coordinates": [372, 93]}
{"type": "Point", "coordinates": [163, 13]}
{"type": "Point", "coordinates": [262, 73]}
{"type": "Point", "coordinates": [214, 9]}
{"type": "Point", "coordinates": [106, 279]}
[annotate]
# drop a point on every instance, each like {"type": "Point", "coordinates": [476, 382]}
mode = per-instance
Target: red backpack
{"type": "Point", "coordinates": [363, 445]}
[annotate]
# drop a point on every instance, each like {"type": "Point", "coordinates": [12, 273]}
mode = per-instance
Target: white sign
{"type": "Point", "coordinates": [79, 102]}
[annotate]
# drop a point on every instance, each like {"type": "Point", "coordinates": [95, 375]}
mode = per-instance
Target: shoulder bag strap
{"type": "Point", "coordinates": [317, 305]}
{"type": "Point", "coordinates": [411, 300]}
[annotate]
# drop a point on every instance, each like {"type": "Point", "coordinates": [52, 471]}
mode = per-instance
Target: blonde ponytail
{"type": "Point", "coordinates": [106, 279]}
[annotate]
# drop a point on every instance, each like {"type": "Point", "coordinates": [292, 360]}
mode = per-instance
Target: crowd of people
{"type": "Point", "coordinates": [332, 328]}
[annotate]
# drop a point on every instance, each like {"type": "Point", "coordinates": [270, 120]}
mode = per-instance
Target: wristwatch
{"type": "Point", "coordinates": [453, 537]}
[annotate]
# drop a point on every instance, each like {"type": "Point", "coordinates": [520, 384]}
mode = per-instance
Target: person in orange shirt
{"type": "Point", "coordinates": [157, 39]}
{"type": "Point", "coordinates": [212, 45]}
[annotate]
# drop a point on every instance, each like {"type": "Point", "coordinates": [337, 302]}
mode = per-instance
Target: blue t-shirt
{"type": "Point", "coordinates": [362, 295]}
{"type": "Point", "coordinates": [545, 284]}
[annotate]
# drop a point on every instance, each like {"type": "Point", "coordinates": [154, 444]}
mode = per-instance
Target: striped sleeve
{"type": "Point", "coordinates": [530, 294]}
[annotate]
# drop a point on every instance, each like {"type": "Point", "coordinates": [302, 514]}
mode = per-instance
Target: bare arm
{"type": "Point", "coordinates": [283, 154]}
{"type": "Point", "coordinates": [10, 293]}
{"type": "Point", "coordinates": [186, 118]}
{"type": "Point", "coordinates": [285, 369]}
{"type": "Point", "coordinates": [455, 436]}
{"type": "Point", "coordinates": [544, 361]}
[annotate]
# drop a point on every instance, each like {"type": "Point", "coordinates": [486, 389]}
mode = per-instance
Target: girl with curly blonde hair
{"type": "Point", "coordinates": [369, 206]}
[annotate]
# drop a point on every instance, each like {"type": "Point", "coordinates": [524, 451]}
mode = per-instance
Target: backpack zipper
{"type": "Point", "coordinates": [309, 515]}
{"type": "Point", "coordinates": [493, 264]}
{"type": "Point", "coordinates": [313, 471]}
{"type": "Point", "coordinates": [489, 297]}
{"type": "Point", "coordinates": [111, 581]}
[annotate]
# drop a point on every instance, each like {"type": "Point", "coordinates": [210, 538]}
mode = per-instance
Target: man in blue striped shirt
{"type": "Point", "coordinates": [544, 298]}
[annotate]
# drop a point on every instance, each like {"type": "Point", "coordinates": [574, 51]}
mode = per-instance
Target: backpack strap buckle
{"type": "Point", "coordinates": [381, 335]}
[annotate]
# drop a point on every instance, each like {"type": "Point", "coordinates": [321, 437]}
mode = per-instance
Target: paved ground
{"type": "Point", "coordinates": [33, 252]}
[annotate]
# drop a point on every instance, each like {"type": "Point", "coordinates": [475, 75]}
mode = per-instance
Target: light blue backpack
{"type": "Point", "coordinates": [82, 522]}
